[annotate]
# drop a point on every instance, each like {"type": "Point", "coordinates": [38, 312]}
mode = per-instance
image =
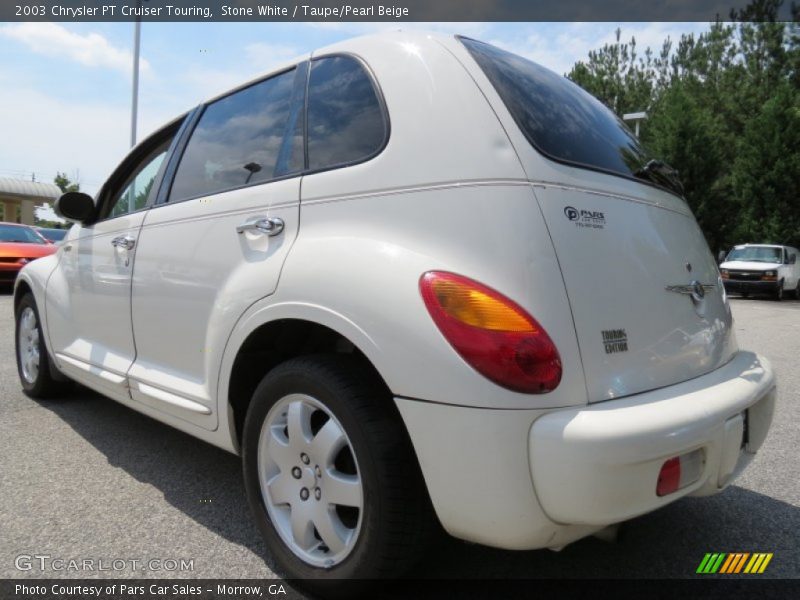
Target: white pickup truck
{"type": "Point", "coordinates": [762, 269]}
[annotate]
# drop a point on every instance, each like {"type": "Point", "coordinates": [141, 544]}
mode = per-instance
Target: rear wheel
{"type": "Point", "coordinates": [797, 290]}
{"type": "Point", "coordinates": [33, 362]}
{"type": "Point", "coordinates": [330, 474]}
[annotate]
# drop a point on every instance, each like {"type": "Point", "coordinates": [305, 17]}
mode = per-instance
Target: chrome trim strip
{"type": "Point", "coordinates": [414, 188]}
{"type": "Point", "coordinates": [217, 215]}
{"type": "Point", "coordinates": [471, 183]}
{"type": "Point", "coordinates": [92, 369]}
{"type": "Point", "coordinates": [169, 398]}
{"type": "Point", "coordinates": [688, 289]}
{"type": "Point", "coordinates": [695, 289]}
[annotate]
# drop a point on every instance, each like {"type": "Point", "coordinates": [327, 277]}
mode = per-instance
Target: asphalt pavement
{"type": "Point", "coordinates": [84, 478]}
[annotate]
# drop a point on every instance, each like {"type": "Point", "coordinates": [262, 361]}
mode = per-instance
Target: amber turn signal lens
{"type": "Point", "coordinates": [477, 308]}
{"type": "Point", "coordinates": [492, 333]}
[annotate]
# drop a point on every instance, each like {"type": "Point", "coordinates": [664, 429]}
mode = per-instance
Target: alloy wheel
{"type": "Point", "coordinates": [28, 345]}
{"type": "Point", "coordinates": [309, 479]}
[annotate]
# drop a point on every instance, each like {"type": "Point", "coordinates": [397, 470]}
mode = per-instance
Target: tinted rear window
{"type": "Point", "coordinates": [346, 122]}
{"type": "Point", "coordinates": [558, 117]}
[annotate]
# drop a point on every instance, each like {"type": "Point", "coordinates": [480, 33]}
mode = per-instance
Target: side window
{"type": "Point", "coordinates": [137, 188]}
{"type": "Point", "coordinates": [346, 122]}
{"type": "Point", "coordinates": [242, 139]}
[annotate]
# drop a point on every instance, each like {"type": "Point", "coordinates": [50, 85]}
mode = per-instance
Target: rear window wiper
{"type": "Point", "coordinates": [660, 172]}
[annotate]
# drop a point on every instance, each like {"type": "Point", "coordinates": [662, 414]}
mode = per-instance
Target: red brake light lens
{"type": "Point", "coordinates": [492, 333]}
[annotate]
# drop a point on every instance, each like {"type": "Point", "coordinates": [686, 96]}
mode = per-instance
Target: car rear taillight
{"type": "Point", "coordinates": [493, 334]}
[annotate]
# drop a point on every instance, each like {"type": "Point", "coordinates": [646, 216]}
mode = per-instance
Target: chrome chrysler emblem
{"type": "Point", "coordinates": [695, 289]}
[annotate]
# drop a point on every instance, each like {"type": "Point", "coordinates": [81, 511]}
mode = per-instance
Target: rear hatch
{"type": "Point", "coordinates": [646, 298]}
{"type": "Point", "coordinates": [629, 269]}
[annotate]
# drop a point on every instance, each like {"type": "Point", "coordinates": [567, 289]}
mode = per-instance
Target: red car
{"type": "Point", "coordinates": [19, 245]}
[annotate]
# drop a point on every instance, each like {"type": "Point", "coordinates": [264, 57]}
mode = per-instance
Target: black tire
{"type": "Point", "coordinates": [397, 518]}
{"type": "Point", "coordinates": [43, 385]}
{"type": "Point", "coordinates": [779, 292]}
{"type": "Point", "coordinates": [797, 290]}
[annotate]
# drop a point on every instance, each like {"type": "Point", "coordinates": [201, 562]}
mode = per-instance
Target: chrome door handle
{"type": "Point", "coordinates": [124, 241]}
{"type": "Point", "coordinates": [271, 226]}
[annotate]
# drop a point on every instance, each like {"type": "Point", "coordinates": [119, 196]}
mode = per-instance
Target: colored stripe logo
{"type": "Point", "coordinates": [734, 563]}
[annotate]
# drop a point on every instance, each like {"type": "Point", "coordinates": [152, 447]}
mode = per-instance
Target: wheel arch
{"type": "Point", "coordinates": [20, 289]}
{"type": "Point", "coordinates": [276, 334]}
{"type": "Point", "coordinates": [33, 279]}
{"type": "Point", "coordinates": [24, 285]}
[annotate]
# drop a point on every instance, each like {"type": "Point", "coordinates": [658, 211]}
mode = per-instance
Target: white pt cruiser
{"type": "Point", "coordinates": [409, 279]}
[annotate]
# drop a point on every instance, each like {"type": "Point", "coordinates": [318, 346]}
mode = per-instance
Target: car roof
{"type": "Point", "coordinates": [372, 42]}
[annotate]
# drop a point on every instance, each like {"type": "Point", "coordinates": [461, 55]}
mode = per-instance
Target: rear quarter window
{"type": "Point", "coordinates": [346, 118]}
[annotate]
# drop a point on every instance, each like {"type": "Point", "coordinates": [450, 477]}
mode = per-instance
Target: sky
{"type": "Point", "coordinates": [65, 88]}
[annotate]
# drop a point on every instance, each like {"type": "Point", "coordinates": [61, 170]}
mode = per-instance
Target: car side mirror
{"type": "Point", "coordinates": [74, 206]}
{"type": "Point", "coordinates": [721, 256]}
{"type": "Point", "coordinates": [792, 259]}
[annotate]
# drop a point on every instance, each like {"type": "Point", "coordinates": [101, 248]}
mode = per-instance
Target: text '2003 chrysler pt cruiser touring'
{"type": "Point", "coordinates": [407, 276]}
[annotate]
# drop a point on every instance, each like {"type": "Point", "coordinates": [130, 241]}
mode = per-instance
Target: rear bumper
{"type": "Point", "coordinates": [523, 479]}
{"type": "Point", "coordinates": [613, 451]}
{"type": "Point", "coordinates": [750, 287]}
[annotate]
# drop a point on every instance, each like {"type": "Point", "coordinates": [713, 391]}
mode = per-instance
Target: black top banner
{"type": "Point", "coordinates": [370, 11]}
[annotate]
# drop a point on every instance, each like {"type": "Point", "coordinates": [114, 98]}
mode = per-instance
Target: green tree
{"type": "Point", "coordinates": [766, 172]}
{"type": "Point", "coordinates": [722, 109]}
{"type": "Point", "coordinates": [618, 76]}
{"type": "Point", "coordinates": [65, 184]}
{"type": "Point", "coordinates": [793, 47]}
{"type": "Point", "coordinates": [686, 134]}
